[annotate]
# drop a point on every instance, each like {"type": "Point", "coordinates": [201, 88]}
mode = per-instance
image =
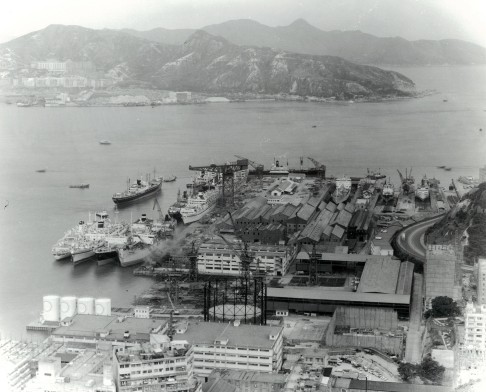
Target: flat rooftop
{"type": "Point", "coordinates": [89, 325]}
{"type": "Point", "coordinates": [247, 376]}
{"type": "Point", "coordinates": [380, 276]}
{"type": "Point", "coordinates": [317, 293]}
{"type": "Point", "coordinates": [244, 335]}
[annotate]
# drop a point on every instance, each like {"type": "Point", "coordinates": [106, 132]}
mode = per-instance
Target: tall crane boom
{"type": "Point", "coordinates": [253, 164]}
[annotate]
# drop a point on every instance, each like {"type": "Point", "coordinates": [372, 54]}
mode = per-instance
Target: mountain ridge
{"type": "Point", "coordinates": [353, 45]}
{"type": "Point", "coordinates": [208, 64]}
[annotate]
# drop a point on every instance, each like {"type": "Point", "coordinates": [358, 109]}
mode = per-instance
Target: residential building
{"type": "Point", "coordinates": [89, 371]}
{"type": "Point", "coordinates": [481, 281]}
{"type": "Point", "coordinates": [232, 346]}
{"type": "Point", "coordinates": [475, 327]}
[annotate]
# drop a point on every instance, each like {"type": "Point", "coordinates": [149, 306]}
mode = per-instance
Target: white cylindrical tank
{"type": "Point", "coordinates": [68, 307]}
{"type": "Point", "coordinates": [103, 306]}
{"type": "Point", "coordinates": [86, 305]}
{"type": "Point", "coordinates": [51, 308]}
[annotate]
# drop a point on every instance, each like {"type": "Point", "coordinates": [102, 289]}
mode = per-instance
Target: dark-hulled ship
{"type": "Point", "coordinates": [138, 190]}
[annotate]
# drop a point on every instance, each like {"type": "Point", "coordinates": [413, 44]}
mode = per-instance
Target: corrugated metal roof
{"type": "Point", "coordinates": [344, 296]}
{"type": "Point", "coordinates": [369, 385]}
{"type": "Point", "coordinates": [331, 206]}
{"type": "Point", "coordinates": [405, 278]}
{"type": "Point", "coordinates": [380, 276]}
{"type": "Point", "coordinates": [306, 212]}
{"type": "Point", "coordinates": [338, 232]}
{"type": "Point", "coordinates": [350, 207]}
{"type": "Point", "coordinates": [218, 385]}
{"type": "Point", "coordinates": [327, 231]}
{"type": "Point", "coordinates": [343, 218]}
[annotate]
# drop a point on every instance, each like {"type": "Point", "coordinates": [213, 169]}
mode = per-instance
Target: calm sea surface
{"type": "Point", "coordinates": [348, 138]}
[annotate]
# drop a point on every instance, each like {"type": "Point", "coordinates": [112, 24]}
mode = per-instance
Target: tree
{"type": "Point", "coordinates": [431, 370]}
{"type": "Point", "coordinates": [444, 307]}
{"type": "Point", "coordinates": [407, 371]}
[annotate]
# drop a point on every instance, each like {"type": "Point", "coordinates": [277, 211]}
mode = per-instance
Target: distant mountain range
{"type": "Point", "coordinates": [356, 46]}
{"type": "Point", "coordinates": [206, 63]}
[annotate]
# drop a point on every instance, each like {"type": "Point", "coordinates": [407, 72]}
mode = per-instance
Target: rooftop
{"type": "Point", "coordinates": [380, 276]}
{"type": "Point", "coordinates": [247, 376]}
{"type": "Point", "coordinates": [395, 386]}
{"type": "Point", "coordinates": [88, 325]}
{"type": "Point", "coordinates": [317, 293]}
{"type": "Point", "coordinates": [244, 335]}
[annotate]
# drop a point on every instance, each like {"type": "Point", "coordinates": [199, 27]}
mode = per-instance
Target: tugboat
{"type": "Point", "coordinates": [138, 190]}
{"type": "Point", "coordinates": [171, 178]}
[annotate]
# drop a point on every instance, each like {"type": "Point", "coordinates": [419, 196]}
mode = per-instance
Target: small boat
{"type": "Point", "coordinates": [171, 178]}
{"type": "Point", "coordinates": [80, 186]}
{"type": "Point", "coordinates": [441, 167]}
{"type": "Point", "coordinates": [105, 142]}
{"type": "Point", "coordinates": [447, 168]}
{"type": "Point", "coordinates": [444, 100]}
{"type": "Point", "coordinates": [41, 171]}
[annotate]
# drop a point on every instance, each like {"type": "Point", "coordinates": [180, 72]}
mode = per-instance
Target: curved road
{"type": "Point", "coordinates": [413, 242]}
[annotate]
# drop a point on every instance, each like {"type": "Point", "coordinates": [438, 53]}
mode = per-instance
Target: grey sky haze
{"type": "Point", "coordinates": [411, 19]}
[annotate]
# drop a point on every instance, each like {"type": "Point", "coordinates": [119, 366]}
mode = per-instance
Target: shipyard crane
{"type": "Point", "coordinates": [246, 258]}
{"type": "Point", "coordinates": [227, 172]}
{"type": "Point", "coordinates": [257, 166]}
{"type": "Point", "coordinates": [321, 169]}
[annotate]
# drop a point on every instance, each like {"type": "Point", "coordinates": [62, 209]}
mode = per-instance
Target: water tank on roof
{"type": "Point", "coordinates": [51, 308]}
{"type": "Point", "coordinates": [103, 306]}
{"type": "Point", "coordinates": [68, 307]}
{"type": "Point", "coordinates": [86, 305]}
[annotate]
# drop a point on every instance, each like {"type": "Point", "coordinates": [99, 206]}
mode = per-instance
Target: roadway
{"type": "Point", "coordinates": [412, 239]}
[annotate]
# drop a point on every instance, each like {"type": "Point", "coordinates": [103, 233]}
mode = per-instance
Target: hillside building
{"type": "Point", "coordinates": [442, 273]}
{"type": "Point", "coordinates": [481, 281]}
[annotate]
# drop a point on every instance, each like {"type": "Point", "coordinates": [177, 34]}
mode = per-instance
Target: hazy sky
{"type": "Point", "coordinates": [411, 19]}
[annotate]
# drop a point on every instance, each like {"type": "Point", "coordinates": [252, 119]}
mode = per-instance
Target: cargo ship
{"type": "Point", "coordinates": [423, 191]}
{"type": "Point", "coordinates": [199, 205]}
{"type": "Point", "coordinates": [388, 192]}
{"type": "Point", "coordinates": [138, 190]}
{"type": "Point", "coordinates": [279, 169]}
{"type": "Point", "coordinates": [343, 190]}
{"type": "Point", "coordinates": [135, 252]}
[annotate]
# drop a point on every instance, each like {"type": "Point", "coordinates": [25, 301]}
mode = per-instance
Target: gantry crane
{"type": "Point", "coordinates": [257, 166]}
{"type": "Point", "coordinates": [227, 172]}
{"type": "Point", "coordinates": [320, 168]}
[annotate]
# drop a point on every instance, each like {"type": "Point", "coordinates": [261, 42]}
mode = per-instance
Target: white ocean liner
{"type": "Point", "coordinates": [199, 205]}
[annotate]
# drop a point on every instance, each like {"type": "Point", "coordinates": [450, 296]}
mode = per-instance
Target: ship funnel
{"type": "Point", "coordinates": [144, 217]}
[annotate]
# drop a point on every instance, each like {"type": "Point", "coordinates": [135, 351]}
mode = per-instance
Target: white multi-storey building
{"type": "Point", "coordinates": [232, 346]}
{"type": "Point", "coordinates": [475, 327]}
{"type": "Point", "coordinates": [482, 281]}
{"type": "Point", "coordinates": [157, 366]}
{"type": "Point", "coordinates": [216, 257]}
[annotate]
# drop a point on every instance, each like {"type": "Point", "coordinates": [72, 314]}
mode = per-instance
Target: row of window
{"type": "Point", "coordinates": [232, 348]}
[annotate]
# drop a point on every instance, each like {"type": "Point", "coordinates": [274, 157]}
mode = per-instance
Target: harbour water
{"type": "Point", "coordinates": [439, 129]}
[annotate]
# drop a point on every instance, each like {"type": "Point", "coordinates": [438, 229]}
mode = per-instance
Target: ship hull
{"type": "Point", "coordinates": [340, 198]}
{"type": "Point", "coordinates": [81, 256]}
{"type": "Point", "coordinates": [134, 256]}
{"type": "Point", "coordinates": [133, 198]}
{"type": "Point", "coordinates": [62, 256]}
{"type": "Point", "coordinates": [108, 257]}
{"type": "Point", "coordinates": [187, 219]}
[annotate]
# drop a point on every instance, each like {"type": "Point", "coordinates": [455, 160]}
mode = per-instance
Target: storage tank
{"type": "Point", "coordinates": [68, 307]}
{"type": "Point", "coordinates": [86, 305]}
{"type": "Point", "coordinates": [103, 306]}
{"type": "Point", "coordinates": [51, 308]}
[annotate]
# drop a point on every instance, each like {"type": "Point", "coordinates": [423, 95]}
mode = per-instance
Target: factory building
{"type": "Point", "coordinates": [384, 282]}
{"type": "Point", "coordinates": [360, 225]}
{"type": "Point", "coordinates": [217, 257]}
{"type": "Point", "coordinates": [365, 327]}
{"type": "Point", "coordinates": [442, 273]}
{"type": "Point", "coordinates": [250, 381]}
{"type": "Point", "coordinates": [157, 365]}
{"type": "Point", "coordinates": [232, 346]}
{"type": "Point", "coordinates": [118, 330]}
